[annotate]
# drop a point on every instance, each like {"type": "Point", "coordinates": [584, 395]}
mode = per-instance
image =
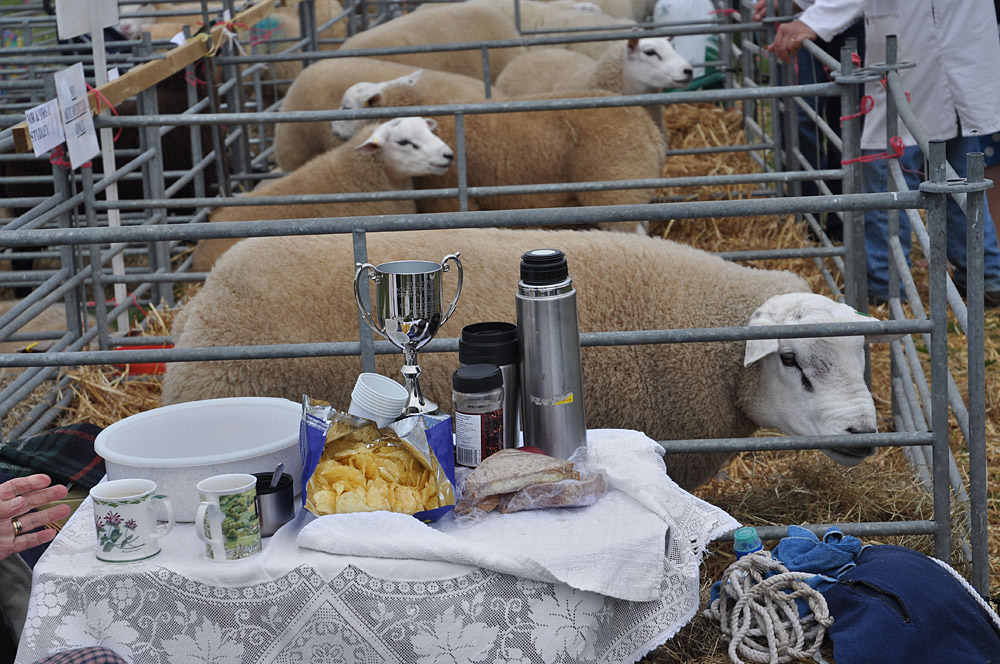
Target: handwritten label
{"type": "Point", "coordinates": [78, 124]}
{"type": "Point", "coordinates": [45, 127]}
{"type": "Point", "coordinates": [77, 17]}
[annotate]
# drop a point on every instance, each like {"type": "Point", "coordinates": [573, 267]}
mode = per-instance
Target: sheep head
{"type": "Point", "coordinates": [409, 148]}
{"type": "Point", "coordinates": [810, 387]}
{"type": "Point", "coordinates": [365, 94]}
{"type": "Point", "coordinates": [652, 64]}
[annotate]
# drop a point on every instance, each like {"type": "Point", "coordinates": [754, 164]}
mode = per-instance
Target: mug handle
{"type": "Point", "coordinates": [365, 314]}
{"type": "Point", "coordinates": [170, 515]}
{"type": "Point", "coordinates": [458, 289]}
{"type": "Point", "coordinates": [199, 522]}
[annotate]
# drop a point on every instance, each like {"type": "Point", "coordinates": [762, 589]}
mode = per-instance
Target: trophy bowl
{"type": "Point", "coordinates": [408, 310]}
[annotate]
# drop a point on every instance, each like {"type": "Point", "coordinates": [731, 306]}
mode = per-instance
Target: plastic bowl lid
{"type": "Point", "coordinates": [199, 433]}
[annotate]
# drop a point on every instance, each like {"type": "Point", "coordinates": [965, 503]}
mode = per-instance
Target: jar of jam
{"type": "Point", "coordinates": [478, 412]}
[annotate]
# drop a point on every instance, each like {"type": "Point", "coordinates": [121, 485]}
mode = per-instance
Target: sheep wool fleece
{"type": "Point", "coordinates": [624, 282]}
{"type": "Point", "coordinates": [339, 170]}
{"type": "Point", "coordinates": [321, 87]}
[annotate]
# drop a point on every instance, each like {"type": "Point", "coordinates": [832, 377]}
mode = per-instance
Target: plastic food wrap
{"type": "Point", "coordinates": [349, 465]}
{"type": "Point", "coordinates": [584, 485]}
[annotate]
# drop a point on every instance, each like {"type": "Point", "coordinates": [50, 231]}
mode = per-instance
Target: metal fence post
{"type": "Point", "coordinates": [937, 220]}
{"type": "Point", "coordinates": [855, 273]}
{"type": "Point", "coordinates": [978, 521]}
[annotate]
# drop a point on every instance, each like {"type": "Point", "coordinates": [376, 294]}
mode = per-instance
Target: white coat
{"type": "Point", "coordinates": [956, 49]}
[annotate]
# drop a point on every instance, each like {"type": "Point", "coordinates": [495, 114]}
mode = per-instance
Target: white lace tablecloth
{"type": "Point", "coordinates": [290, 604]}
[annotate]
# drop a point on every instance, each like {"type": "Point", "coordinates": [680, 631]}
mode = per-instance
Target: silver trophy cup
{"type": "Point", "coordinates": [408, 310]}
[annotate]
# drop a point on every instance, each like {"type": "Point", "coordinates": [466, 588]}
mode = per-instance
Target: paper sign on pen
{"type": "Point", "coordinates": [113, 73]}
{"type": "Point", "coordinates": [78, 124]}
{"type": "Point", "coordinates": [178, 39]}
{"type": "Point", "coordinates": [45, 127]}
{"type": "Point", "coordinates": [77, 17]}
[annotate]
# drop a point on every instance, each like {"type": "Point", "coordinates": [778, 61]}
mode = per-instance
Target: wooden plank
{"type": "Point", "coordinates": [150, 73]}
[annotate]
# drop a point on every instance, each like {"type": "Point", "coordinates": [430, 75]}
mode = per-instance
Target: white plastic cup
{"type": "Point", "coordinates": [377, 398]}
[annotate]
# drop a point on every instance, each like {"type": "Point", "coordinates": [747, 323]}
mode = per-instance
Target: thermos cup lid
{"type": "Point", "coordinates": [488, 343]}
{"type": "Point", "coordinates": [542, 267]}
{"type": "Point", "coordinates": [477, 378]}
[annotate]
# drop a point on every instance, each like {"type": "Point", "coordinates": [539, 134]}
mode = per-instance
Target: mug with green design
{"type": "Point", "coordinates": [125, 517]}
{"type": "Point", "coordinates": [227, 520]}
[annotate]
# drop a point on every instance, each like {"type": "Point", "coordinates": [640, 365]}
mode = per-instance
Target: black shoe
{"type": "Point", "coordinates": [876, 299]}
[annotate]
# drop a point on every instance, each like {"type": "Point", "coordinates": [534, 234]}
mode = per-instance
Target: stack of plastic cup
{"type": "Point", "coordinates": [377, 398]}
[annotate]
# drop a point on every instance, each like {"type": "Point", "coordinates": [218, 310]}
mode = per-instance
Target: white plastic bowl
{"type": "Point", "coordinates": [178, 446]}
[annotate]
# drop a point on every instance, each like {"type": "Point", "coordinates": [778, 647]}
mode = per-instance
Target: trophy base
{"type": "Point", "coordinates": [414, 407]}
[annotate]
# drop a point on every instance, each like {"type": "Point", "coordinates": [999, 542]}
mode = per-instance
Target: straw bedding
{"type": "Point", "coordinates": [758, 489]}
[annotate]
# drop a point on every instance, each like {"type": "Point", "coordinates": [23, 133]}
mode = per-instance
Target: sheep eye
{"type": "Point", "coordinates": [403, 142]}
{"type": "Point", "coordinates": [650, 52]}
{"type": "Point", "coordinates": [788, 359]}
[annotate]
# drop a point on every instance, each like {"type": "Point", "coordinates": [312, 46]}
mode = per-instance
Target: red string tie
{"type": "Point", "coordinates": [856, 59]}
{"type": "Point", "coordinates": [724, 12]}
{"type": "Point", "coordinates": [101, 98]}
{"type": "Point", "coordinates": [905, 92]}
{"type": "Point", "coordinates": [867, 104]}
{"type": "Point", "coordinates": [193, 80]}
{"type": "Point", "coordinates": [58, 158]}
{"type": "Point", "coordinates": [896, 143]}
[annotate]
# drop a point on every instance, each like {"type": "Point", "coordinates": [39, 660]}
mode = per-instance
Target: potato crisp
{"type": "Point", "coordinates": [363, 469]}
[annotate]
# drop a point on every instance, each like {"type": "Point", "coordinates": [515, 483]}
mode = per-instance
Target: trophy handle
{"type": "Point", "coordinates": [458, 289]}
{"type": "Point", "coordinates": [365, 314]}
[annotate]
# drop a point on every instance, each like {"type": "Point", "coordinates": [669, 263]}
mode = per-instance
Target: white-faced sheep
{"type": "Point", "coordinates": [455, 23]}
{"type": "Point", "coordinates": [624, 282]}
{"type": "Point", "coordinates": [321, 87]}
{"type": "Point", "coordinates": [577, 145]}
{"type": "Point", "coordinates": [381, 157]}
{"type": "Point", "coordinates": [631, 67]}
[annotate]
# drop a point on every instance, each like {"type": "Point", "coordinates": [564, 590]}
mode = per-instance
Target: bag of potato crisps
{"type": "Point", "coordinates": [349, 465]}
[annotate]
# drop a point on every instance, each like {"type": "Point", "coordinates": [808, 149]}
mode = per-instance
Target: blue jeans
{"type": "Point", "coordinates": [877, 223]}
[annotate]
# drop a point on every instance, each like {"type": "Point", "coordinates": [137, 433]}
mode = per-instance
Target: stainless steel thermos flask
{"type": "Point", "coordinates": [552, 405]}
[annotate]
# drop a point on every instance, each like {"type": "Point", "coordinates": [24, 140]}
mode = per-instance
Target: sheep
{"type": "Point", "coordinates": [583, 19]}
{"type": "Point", "coordinates": [533, 13]}
{"type": "Point", "coordinates": [455, 23]}
{"type": "Point", "coordinates": [321, 86]}
{"type": "Point", "coordinates": [575, 145]}
{"type": "Point", "coordinates": [631, 67]}
{"type": "Point", "coordinates": [623, 282]}
{"type": "Point", "coordinates": [380, 158]}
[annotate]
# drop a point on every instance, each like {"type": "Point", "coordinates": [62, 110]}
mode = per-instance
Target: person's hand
{"type": "Point", "coordinates": [18, 527]}
{"type": "Point", "coordinates": [788, 39]}
{"type": "Point", "coordinates": [760, 9]}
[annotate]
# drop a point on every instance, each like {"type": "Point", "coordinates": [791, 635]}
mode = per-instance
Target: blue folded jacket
{"type": "Point", "coordinates": [897, 606]}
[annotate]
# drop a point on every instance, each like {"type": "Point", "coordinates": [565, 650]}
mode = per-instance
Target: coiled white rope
{"type": "Point", "coordinates": [759, 615]}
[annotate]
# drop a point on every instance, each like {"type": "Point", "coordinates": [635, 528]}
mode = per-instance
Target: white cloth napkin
{"type": "Point", "coordinates": [614, 547]}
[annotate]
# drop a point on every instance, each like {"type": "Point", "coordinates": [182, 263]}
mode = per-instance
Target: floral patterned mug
{"type": "Point", "coordinates": [125, 517]}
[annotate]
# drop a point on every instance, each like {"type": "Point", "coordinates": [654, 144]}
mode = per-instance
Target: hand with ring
{"type": "Point", "coordinates": [788, 39]}
{"type": "Point", "coordinates": [18, 525]}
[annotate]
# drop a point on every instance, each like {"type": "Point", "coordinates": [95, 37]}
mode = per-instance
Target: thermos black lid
{"type": "Point", "coordinates": [477, 378]}
{"type": "Point", "coordinates": [542, 267]}
{"type": "Point", "coordinates": [488, 343]}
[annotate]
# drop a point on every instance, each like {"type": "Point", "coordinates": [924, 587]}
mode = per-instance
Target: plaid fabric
{"type": "Point", "coordinates": [65, 454]}
{"type": "Point", "coordinates": [88, 655]}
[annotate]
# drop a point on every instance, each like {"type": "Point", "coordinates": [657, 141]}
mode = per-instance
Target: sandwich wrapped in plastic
{"type": "Point", "coordinates": [350, 465]}
{"type": "Point", "coordinates": [514, 480]}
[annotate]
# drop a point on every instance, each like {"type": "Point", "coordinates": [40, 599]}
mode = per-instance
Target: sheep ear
{"type": "Point", "coordinates": [431, 123]}
{"type": "Point", "coordinates": [411, 79]}
{"type": "Point", "coordinates": [759, 348]}
{"type": "Point", "coordinates": [368, 147]}
{"type": "Point", "coordinates": [632, 45]}
{"type": "Point", "coordinates": [374, 99]}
